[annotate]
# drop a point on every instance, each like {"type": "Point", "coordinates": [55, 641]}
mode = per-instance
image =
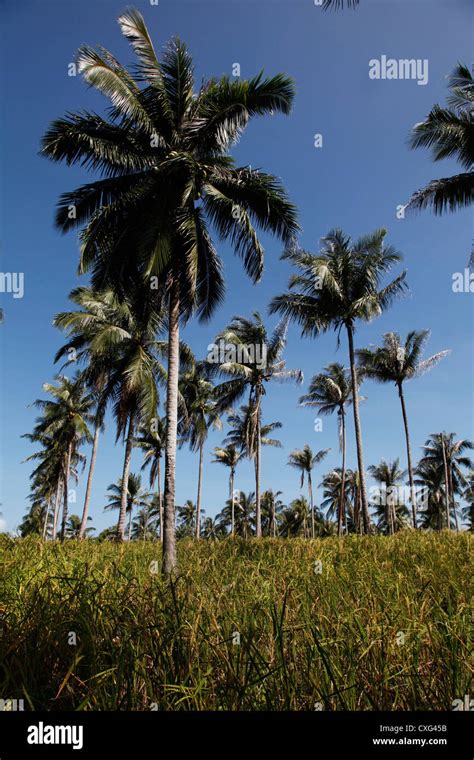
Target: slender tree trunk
{"type": "Point", "coordinates": [258, 516]}
{"type": "Point", "coordinates": [408, 445]}
{"type": "Point", "coordinates": [85, 511]}
{"type": "Point", "coordinates": [45, 525]}
{"type": "Point", "coordinates": [360, 455]}
{"type": "Point", "coordinates": [125, 475]}
{"type": "Point", "coordinates": [160, 498]}
{"type": "Point", "coordinates": [451, 497]}
{"type": "Point", "coordinates": [198, 503]}
{"type": "Point", "coordinates": [56, 509]}
{"type": "Point", "coordinates": [343, 472]}
{"type": "Point", "coordinates": [65, 493]}
{"type": "Point", "coordinates": [232, 503]}
{"type": "Point", "coordinates": [446, 483]}
{"type": "Point", "coordinates": [273, 518]}
{"type": "Point", "coordinates": [311, 504]}
{"type": "Point", "coordinates": [130, 522]}
{"type": "Point", "coordinates": [169, 537]}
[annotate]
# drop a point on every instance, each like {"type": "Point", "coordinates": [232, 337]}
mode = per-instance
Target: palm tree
{"type": "Point", "coordinates": [272, 507]}
{"type": "Point", "coordinates": [395, 362]}
{"type": "Point", "coordinates": [244, 506]}
{"type": "Point", "coordinates": [47, 478]}
{"type": "Point", "coordinates": [330, 392]}
{"type": "Point", "coordinates": [116, 336]}
{"type": "Point", "coordinates": [151, 440]}
{"type": "Point", "coordinates": [144, 524]}
{"type": "Point", "coordinates": [304, 460]}
{"type": "Point", "coordinates": [186, 515]}
{"type": "Point", "coordinates": [389, 507]}
{"type": "Point", "coordinates": [336, 289]}
{"type": "Point", "coordinates": [429, 477]}
{"type": "Point", "coordinates": [136, 497]}
{"type": "Point", "coordinates": [445, 453]}
{"type": "Point", "coordinates": [251, 359]}
{"type": "Point", "coordinates": [336, 496]}
{"type": "Point", "coordinates": [167, 175]}
{"type": "Point", "coordinates": [212, 529]}
{"type": "Point", "coordinates": [65, 419]}
{"type": "Point", "coordinates": [199, 415]}
{"type": "Point", "coordinates": [73, 526]}
{"type": "Point", "coordinates": [449, 132]}
{"type": "Point", "coordinates": [248, 434]}
{"type": "Point", "coordinates": [230, 457]}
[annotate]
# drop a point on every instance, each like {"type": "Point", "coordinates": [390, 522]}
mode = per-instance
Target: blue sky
{"type": "Point", "coordinates": [355, 181]}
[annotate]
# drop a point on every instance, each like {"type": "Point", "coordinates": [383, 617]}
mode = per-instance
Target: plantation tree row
{"type": "Point", "coordinates": [167, 185]}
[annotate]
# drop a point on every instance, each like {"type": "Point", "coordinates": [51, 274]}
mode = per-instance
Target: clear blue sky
{"type": "Point", "coordinates": [355, 181]}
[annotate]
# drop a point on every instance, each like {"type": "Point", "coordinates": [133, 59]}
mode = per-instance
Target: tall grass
{"type": "Point", "coordinates": [246, 625]}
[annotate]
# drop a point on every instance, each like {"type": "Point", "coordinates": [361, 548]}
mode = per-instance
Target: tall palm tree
{"type": "Point", "coordinates": [449, 132]}
{"type": "Point", "coordinates": [151, 440]}
{"type": "Point", "coordinates": [199, 415]}
{"type": "Point", "coordinates": [117, 337]}
{"type": "Point", "coordinates": [335, 289]}
{"type": "Point", "coordinates": [65, 418]}
{"type": "Point", "coordinates": [144, 523]}
{"type": "Point", "coordinates": [389, 505]}
{"type": "Point", "coordinates": [329, 392]}
{"type": "Point", "coordinates": [248, 433]}
{"type": "Point", "coordinates": [448, 455]}
{"type": "Point", "coordinates": [186, 515]}
{"type": "Point", "coordinates": [395, 362]}
{"type": "Point", "coordinates": [47, 477]}
{"type": "Point", "coordinates": [272, 507]}
{"type": "Point", "coordinates": [168, 176]}
{"type": "Point", "coordinates": [430, 478]}
{"type": "Point", "coordinates": [252, 359]}
{"type": "Point", "coordinates": [305, 460]}
{"type": "Point", "coordinates": [230, 457]}
{"type": "Point", "coordinates": [336, 492]}
{"type": "Point", "coordinates": [244, 506]}
{"type": "Point", "coordinates": [136, 497]}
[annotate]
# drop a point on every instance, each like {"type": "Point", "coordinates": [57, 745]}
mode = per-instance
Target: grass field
{"type": "Point", "coordinates": [247, 625]}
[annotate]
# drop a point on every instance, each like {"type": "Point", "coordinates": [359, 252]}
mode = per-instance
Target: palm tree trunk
{"type": "Point", "coordinates": [65, 493]}
{"type": "Point", "coordinates": [446, 482]}
{"type": "Point", "coordinates": [273, 518]}
{"type": "Point", "coordinates": [410, 467]}
{"type": "Point", "coordinates": [311, 503]}
{"type": "Point", "coordinates": [125, 475]}
{"type": "Point", "coordinates": [343, 472]}
{"type": "Point", "coordinates": [130, 523]}
{"type": "Point", "coordinates": [258, 516]}
{"type": "Point", "coordinates": [169, 538]}
{"type": "Point", "coordinates": [232, 503]}
{"type": "Point", "coordinates": [451, 497]}
{"type": "Point", "coordinates": [160, 497]}
{"type": "Point", "coordinates": [45, 525]}
{"type": "Point", "coordinates": [198, 502]}
{"type": "Point", "coordinates": [360, 455]}
{"type": "Point", "coordinates": [85, 511]}
{"type": "Point", "coordinates": [56, 510]}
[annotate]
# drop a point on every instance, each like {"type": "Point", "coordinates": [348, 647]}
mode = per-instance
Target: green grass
{"type": "Point", "coordinates": [308, 641]}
